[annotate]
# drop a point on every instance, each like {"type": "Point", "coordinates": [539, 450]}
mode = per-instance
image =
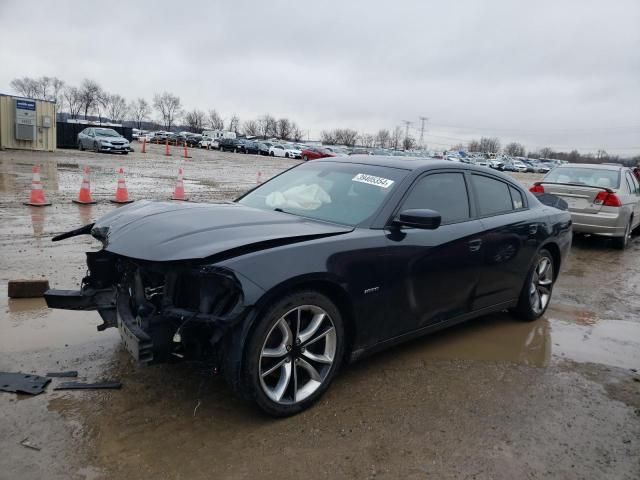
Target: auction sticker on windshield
{"type": "Point", "coordinates": [371, 180]}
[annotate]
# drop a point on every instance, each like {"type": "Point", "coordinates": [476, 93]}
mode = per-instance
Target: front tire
{"type": "Point", "coordinates": [293, 354]}
{"type": "Point", "coordinates": [96, 149]}
{"type": "Point", "coordinates": [80, 147]}
{"type": "Point", "coordinates": [538, 287]}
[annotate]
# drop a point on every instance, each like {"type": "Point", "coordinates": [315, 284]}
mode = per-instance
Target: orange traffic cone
{"type": "Point", "coordinates": [84, 197]}
{"type": "Point", "coordinates": [178, 192]}
{"type": "Point", "coordinates": [166, 148]}
{"type": "Point", "coordinates": [259, 178]}
{"type": "Point", "coordinates": [144, 145]}
{"type": "Point", "coordinates": [36, 198]}
{"type": "Point", "coordinates": [122, 194]}
{"type": "Point", "coordinates": [186, 152]}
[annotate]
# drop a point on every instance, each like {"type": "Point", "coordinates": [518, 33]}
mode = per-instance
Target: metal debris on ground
{"type": "Point", "coordinates": [17, 382]}
{"type": "Point", "coordinates": [70, 373]}
{"type": "Point", "coordinates": [88, 386]}
{"type": "Point", "coordinates": [28, 444]}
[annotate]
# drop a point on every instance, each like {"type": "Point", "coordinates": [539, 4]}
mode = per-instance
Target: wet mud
{"type": "Point", "coordinates": [492, 398]}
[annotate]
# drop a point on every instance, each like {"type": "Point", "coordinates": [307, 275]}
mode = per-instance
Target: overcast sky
{"type": "Point", "coordinates": [560, 73]}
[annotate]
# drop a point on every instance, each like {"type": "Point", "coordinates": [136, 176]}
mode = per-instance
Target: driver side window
{"type": "Point", "coordinates": [446, 193]}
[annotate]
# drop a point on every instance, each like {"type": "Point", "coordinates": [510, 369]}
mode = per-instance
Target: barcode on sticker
{"type": "Point", "coordinates": [372, 180]}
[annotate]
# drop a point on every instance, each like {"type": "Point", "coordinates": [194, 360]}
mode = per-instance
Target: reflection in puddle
{"type": "Point", "coordinates": [37, 220]}
{"type": "Point", "coordinates": [492, 338]}
{"type": "Point", "coordinates": [565, 333]}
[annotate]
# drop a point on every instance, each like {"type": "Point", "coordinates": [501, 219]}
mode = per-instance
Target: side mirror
{"type": "Point", "coordinates": [419, 218]}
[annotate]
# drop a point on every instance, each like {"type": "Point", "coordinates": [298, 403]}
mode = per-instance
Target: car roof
{"type": "Point", "coordinates": [412, 164]}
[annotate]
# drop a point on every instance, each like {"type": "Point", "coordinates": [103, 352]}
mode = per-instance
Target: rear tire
{"type": "Point", "coordinates": [293, 354]}
{"type": "Point", "coordinates": [305, 158]}
{"type": "Point", "coordinates": [621, 242]}
{"type": "Point", "coordinates": [538, 287]}
{"type": "Point", "coordinates": [271, 154]}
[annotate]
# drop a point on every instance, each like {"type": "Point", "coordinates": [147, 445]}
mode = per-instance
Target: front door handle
{"type": "Point", "coordinates": [474, 245]}
{"type": "Point", "coordinates": [533, 229]}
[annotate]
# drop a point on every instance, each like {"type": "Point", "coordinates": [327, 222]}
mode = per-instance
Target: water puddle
{"type": "Point", "coordinates": [28, 325]}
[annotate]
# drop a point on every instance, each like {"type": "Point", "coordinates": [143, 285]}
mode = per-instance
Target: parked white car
{"type": "Point", "coordinates": [292, 151]}
{"type": "Point", "coordinates": [208, 142]}
{"type": "Point", "coordinates": [276, 150]}
{"type": "Point", "coordinates": [519, 166]}
{"type": "Point", "coordinates": [148, 136]}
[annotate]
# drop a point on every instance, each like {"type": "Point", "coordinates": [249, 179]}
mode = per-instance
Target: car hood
{"type": "Point", "coordinates": [167, 231]}
{"type": "Point", "coordinates": [106, 138]}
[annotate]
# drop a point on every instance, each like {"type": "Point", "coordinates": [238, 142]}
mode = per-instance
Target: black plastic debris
{"type": "Point", "coordinates": [15, 382]}
{"type": "Point", "coordinates": [69, 374]}
{"type": "Point", "coordinates": [88, 386]}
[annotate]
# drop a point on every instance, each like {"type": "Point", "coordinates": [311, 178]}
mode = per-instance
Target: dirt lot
{"type": "Point", "coordinates": [494, 398]}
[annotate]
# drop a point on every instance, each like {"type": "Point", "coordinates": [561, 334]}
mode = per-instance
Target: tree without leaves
{"type": "Point", "coordinates": [408, 143]}
{"type": "Point", "coordinates": [514, 149]}
{"type": "Point", "coordinates": [268, 126]}
{"type": "Point", "coordinates": [458, 147]}
{"type": "Point", "coordinates": [215, 120]}
{"type": "Point", "coordinates": [195, 120]}
{"type": "Point", "coordinates": [234, 123]}
{"type": "Point", "coordinates": [327, 137]}
{"type": "Point", "coordinates": [251, 128]}
{"type": "Point", "coordinates": [115, 107]}
{"type": "Point", "coordinates": [26, 87]}
{"type": "Point", "coordinates": [489, 145]}
{"type": "Point", "coordinates": [396, 138]}
{"type": "Point", "coordinates": [139, 110]}
{"type": "Point", "coordinates": [91, 96]}
{"type": "Point", "coordinates": [296, 132]}
{"type": "Point", "coordinates": [473, 146]}
{"type": "Point", "coordinates": [283, 129]}
{"type": "Point", "coordinates": [383, 138]}
{"type": "Point", "coordinates": [73, 101]}
{"type": "Point", "coordinates": [168, 105]}
{"type": "Point", "coordinates": [367, 140]}
{"type": "Point", "coordinates": [546, 152]}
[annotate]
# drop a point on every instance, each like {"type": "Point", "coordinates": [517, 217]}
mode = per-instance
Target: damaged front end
{"type": "Point", "coordinates": [162, 309]}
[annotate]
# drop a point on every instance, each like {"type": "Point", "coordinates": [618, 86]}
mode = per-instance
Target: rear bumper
{"type": "Point", "coordinates": [602, 223]}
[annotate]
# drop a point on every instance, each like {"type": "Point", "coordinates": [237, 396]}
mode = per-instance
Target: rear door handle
{"type": "Point", "coordinates": [474, 245]}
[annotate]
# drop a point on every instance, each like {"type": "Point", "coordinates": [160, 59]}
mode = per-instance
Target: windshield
{"type": "Point", "coordinates": [106, 132]}
{"type": "Point", "coordinates": [595, 177]}
{"type": "Point", "coordinates": [336, 192]}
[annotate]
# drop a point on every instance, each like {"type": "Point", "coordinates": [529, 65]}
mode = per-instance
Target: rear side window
{"type": "Point", "coordinates": [516, 198]}
{"type": "Point", "coordinates": [493, 195]}
{"type": "Point", "coordinates": [446, 193]}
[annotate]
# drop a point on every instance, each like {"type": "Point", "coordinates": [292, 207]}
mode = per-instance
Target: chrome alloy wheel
{"type": "Point", "coordinates": [541, 283]}
{"type": "Point", "coordinates": [297, 354]}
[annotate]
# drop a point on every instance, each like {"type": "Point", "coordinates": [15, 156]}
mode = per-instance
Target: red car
{"type": "Point", "coordinates": [315, 153]}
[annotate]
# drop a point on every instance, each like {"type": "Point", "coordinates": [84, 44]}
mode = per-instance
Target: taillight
{"type": "Point", "coordinates": [537, 188]}
{"type": "Point", "coordinates": [607, 200]}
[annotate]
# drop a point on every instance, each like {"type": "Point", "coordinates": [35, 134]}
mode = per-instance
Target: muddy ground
{"type": "Point", "coordinates": [494, 398]}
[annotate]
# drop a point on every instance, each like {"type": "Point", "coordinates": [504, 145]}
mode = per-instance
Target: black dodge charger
{"type": "Point", "coordinates": [328, 261]}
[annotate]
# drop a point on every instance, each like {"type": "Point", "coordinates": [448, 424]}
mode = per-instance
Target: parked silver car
{"type": "Point", "coordinates": [603, 199]}
{"type": "Point", "coordinates": [102, 140]}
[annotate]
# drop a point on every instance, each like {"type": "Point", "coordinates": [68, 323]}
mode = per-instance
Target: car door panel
{"type": "Point", "coordinates": [432, 275]}
{"type": "Point", "coordinates": [509, 242]}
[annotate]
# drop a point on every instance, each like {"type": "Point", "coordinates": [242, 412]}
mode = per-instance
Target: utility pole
{"type": "Point", "coordinates": [423, 120]}
{"type": "Point", "coordinates": [407, 123]}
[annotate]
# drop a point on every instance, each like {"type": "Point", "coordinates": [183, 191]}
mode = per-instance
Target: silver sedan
{"type": "Point", "coordinates": [102, 140]}
{"type": "Point", "coordinates": [603, 199]}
